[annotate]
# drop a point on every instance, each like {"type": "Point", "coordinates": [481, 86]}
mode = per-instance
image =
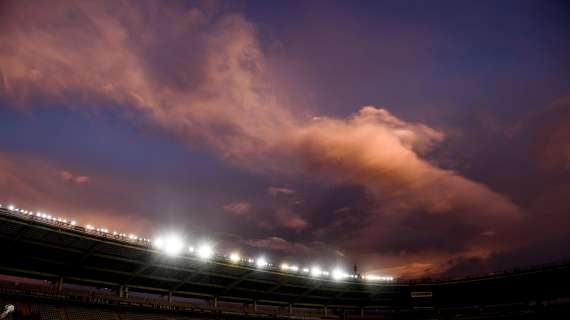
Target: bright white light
{"type": "Point", "coordinates": [316, 271]}
{"type": "Point", "coordinates": [284, 267]}
{"type": "Point", "coordinates": [338, 274]}
{"type": "Point", "coordinates": [261, 262]}
{"type": "Point", "coordinates": [73, 222]}
{"type": "Point", "coordinates": [205, 251]}
{"type": "Point", "coordinates": [372, 277]}
{"type": "Point", "coordinates": [11, 208]}
{"type": "Point", "coordinates": [172, 245]}
{"type": "Point", "coordinates": [294, 268]}
{"type": "Point", "coordinates": [158, 243]}
{"type": "Point", "coordinates": [305, 270]}
{"type": "Point", "coordinates": [190, 249]}
{"type": "Point", "coordinates": [234, 257]}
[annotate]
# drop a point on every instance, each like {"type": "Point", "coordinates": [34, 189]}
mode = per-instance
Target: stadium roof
{"type": "Point", "coordinates": [53, 251]}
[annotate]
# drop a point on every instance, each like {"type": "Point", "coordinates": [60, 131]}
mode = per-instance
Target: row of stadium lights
{"type": "Point", "coordinates": [174, 246]}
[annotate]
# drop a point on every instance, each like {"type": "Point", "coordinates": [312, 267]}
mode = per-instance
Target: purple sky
{"type": "Point", "coordinates": [408, 137]}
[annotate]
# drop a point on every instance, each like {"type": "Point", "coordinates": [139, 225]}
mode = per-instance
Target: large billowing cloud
{"type": "Point", "coordinates": [199, 74]}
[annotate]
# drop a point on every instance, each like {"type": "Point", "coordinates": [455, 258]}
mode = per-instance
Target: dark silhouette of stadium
{"type": "Point", "coordinates": [77, 273]}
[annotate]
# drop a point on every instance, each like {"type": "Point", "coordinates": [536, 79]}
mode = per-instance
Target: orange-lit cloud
{"type": "Point", "coordinates": [274, 191]}
{"type": "Point", "coordinates": [238, 208]}
{"type": "Point", "coordinates": [288, 219]}
{"type": "Point", "coordinates": [200, 76]}
{"type": "Point", "coordinates": [68, 176]}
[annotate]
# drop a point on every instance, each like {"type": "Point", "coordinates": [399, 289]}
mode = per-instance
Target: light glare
{"type": "Point", "coordinates": [205, 251]}
{"type": "Point", "coordinates": [261, 262]}
{"type": "Point", "coordinates": [234, 257]}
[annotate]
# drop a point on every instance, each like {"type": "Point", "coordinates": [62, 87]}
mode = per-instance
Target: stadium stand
{"type": "Point", "coordinates": [77, 274]}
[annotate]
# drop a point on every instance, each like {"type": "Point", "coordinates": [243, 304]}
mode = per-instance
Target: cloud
{"type": "Point", "coordinates": [274, 191]}
{"type": "Point", "coordinates": [278, 244]}
{"type": "Point", "coordinates": [78, 180]}
{"type": "Point", "coordinates": [552, 141]}
{"type": "Point", "coordinates": [201, 77]}
{"type": "Point", "coordinates": [238, 208]}
{"type": "Point", "coordinates": [288, 219]}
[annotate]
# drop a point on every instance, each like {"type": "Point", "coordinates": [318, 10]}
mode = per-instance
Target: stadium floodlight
{"type": "Point", "coordinates": [373, 277]}
{"type": "Point", "coordinates": [11, 208]}
{"type": "Point", "coordinates": [158, 243]}
{"type": "Point", "coordinates": [294, 268]}
{"type": "Point", "coordinates": [172, 245]}
{"type": "Point", "coordinates": [205, 251]}
{"type": "Point", "coordinates": [305, 270]}
{"type": "Point", "coordinates": [73, 222]}
{"type": "Point", "coordinates": [261, 262]}
{"type": "Point", "coordinates": [338, 274]}
{"type": "Point", "coordinates": [234, 257]}
{"type": "Point", "coordinates": [284, 267]}
{"type": "Point", "coordinates": [316, 271]}
{"type": "Point", "coordinates": [191, 249]}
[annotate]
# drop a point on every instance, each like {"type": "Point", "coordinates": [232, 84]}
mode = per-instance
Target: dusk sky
{"type": "Point", "coordinates": [412, 138]}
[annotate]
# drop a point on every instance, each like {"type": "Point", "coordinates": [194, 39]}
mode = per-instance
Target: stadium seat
{"type": "Point", "coordinates": [47, 312]}
{"type": "Point", "coordinates": [90, 314]}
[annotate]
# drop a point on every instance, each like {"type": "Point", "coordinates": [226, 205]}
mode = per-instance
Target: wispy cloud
{"type": "Point", "coordinates": [238, 208]}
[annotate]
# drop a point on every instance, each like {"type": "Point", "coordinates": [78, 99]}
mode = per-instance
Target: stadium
{"type": "Point", "coordinates": [82, 272]}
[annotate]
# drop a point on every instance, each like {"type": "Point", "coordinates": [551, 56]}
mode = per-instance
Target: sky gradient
{"type": "Point", "coordinates": [411, 138]}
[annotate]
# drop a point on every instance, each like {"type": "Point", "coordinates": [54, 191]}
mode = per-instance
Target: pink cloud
{"type": "Point", "coordinates": [238, 208]}
{"type": "Point", "coordinates": [278, 244]}
{"type": "Point", "coordinates": [68, 176]}
{"type": "Point", "coordinates": [290, 220]}
{"type": "Point", "coordinates": [274, 191]}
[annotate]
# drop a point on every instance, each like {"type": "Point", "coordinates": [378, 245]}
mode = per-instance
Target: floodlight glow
{"type": "Point", "coordinates": [159, 243]}
{"type": "Point", "coordinates": [285, 267]}
{"type": "Point", "coordinates": [11, 208]}
{"type": "Point", "coordinates": [316, 271]}
{"type": "Point", "coordinates": [172, 245]}
{"type": "Point", "coordinates": [338, 274]}
{"type": "Point", "coordinates": [294, 268]}
{"type": "Point", "coordinates": [261, 262]}
{"type": "Point", "coordinates": [190, 249]}
{"type": "Point", "coordinates": [305, 270]}
{"type": "Point", "coordinates": [372, 277]}
{"type": "Point", "coordinates": [73, 222]}
{"type": "Point", "coordinates": [205, 251]}
{"type": "Point", "coordinates": [234, 257]}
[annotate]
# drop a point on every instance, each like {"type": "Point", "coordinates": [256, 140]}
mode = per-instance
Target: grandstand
{"type": "Point", "coordinates": [80, 272]}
